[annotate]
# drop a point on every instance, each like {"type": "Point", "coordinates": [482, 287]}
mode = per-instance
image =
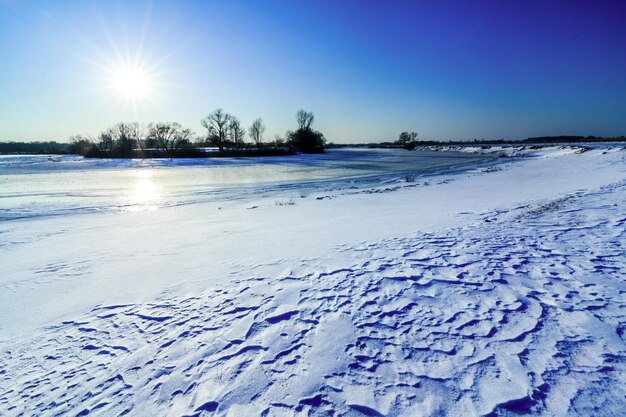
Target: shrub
{"type": "Point", "coordinates": [289, 202]}
{"type": "Point", "coordinates": [307, 141]}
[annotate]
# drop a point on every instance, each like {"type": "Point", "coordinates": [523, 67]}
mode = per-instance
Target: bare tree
{"type": "Point", "coordinates": [305, 139]}
{"type": "Point", "coordinates": [216, 124]}
{"type": "Point", "coordinates": [126, 137]}
{"type": "Point", "coordinates": [236, 133]}
{"type": "Point", "coordinates": [256, 132]}
{"type": "Point", "coordinates": [305, 119]}
{"type": "Point", "coordinates": [407, 140]}
{"type": "Point", "coordinates": [170, 136]}
{"type": "Point", "coordinates": [81, 145]}
{"type": "Point", "coordinates": [184, 139]}
{"type": "Point", "coordinates": [106, 141]}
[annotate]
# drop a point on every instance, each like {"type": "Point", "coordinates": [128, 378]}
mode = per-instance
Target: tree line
{"type": "Point", "coordinates": [32, 148]}
{"type": "Point", "coordinates": [224, 133]}
{"type": "Point", "coordinates": [171, 138]}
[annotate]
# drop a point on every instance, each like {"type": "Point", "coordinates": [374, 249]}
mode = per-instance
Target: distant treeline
{"type": "Point", "coordinates": [169, 139]}
{"type": "Point", "coordinates": [573, 139]}
{"type": "Point", "coordinates": [34, 148]}
{"type": "Point", "coordinates": [409, 142]}
{"type": "Point", "coordinates": [225, 137]}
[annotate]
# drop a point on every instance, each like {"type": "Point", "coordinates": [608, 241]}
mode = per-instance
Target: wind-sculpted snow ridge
{"type": "Point", "coordinates": [522, 313]}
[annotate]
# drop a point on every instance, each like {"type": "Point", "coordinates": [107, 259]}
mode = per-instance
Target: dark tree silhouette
{"type": "Point", "coordinates": [169, 137]}
{"type": "Point", "coordinates": [81, 145]}
{"type": "Point", "coordinates": [256, 132]}
{"type": "Point", "coordinates": [407, 140]}
{"type": "Point", "coordinates": [236, 134]}
{"type": "Point", "coordinates": [304, 119]}
{"type": "Point", "coordinates": [305, 139]}
{"type": "Point", "coordinates": [126, 137]}
{"type": "Point", "coordinates": [105, 141]}
{"type": "Point", "coordinates": [216, 124]}
{"type": "Point", "coordinates": [34, 148]}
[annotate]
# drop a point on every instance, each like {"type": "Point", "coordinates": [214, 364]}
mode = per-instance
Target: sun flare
{"type": "Point", "coordinates": [131, 82]}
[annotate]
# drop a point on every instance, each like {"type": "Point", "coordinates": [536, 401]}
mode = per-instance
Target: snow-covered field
{"type": "Point", "coordinates": [495, 291]}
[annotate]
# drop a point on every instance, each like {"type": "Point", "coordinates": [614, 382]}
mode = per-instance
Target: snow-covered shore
{"type": "Point", "coordinates": [496, 291]}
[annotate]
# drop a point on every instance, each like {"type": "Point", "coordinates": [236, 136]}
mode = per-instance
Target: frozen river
{"type": "Point", "coordinates": [35, 186]}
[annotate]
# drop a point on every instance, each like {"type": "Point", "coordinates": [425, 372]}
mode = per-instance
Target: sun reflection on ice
{"type": "Point", "coordinates": [145, 192]}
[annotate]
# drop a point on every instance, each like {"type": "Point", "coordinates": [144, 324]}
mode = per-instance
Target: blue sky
{"type": "Point", "coordinates": [367, 69]}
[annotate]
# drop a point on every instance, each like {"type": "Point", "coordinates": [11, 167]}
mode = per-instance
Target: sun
{"type": "Point", "coordinates": [131, 82]}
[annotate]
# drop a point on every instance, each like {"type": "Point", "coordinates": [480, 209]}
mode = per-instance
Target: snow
{"type": "Point", "coordinates": [497, 291]}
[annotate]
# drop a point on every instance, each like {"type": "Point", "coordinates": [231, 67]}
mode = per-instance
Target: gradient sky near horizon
{"type": "Point", "coordinates": [367, 69]}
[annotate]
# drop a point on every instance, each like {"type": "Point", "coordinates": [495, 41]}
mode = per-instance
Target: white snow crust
{"type": "Point", "coordinates": [499, 291]}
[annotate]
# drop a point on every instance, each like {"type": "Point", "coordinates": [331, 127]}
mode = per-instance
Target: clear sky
{"type": "Point", "coordinates": [367, 69]}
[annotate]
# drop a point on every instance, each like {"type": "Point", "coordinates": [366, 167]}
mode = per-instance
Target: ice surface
{"type": "Point", "coordinates": [37, 186]}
